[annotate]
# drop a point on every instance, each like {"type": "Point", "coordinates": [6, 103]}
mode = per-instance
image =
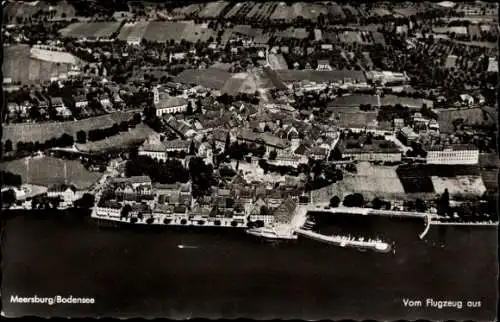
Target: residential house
{"type": "Point", "coordinates": [81, 101]}
{"type": "Point", "coordinates": [407, 135]}
{"type": "Point", "coordinates": [324, 65]}
{"type": "Point", "coordinates": [67, 193]}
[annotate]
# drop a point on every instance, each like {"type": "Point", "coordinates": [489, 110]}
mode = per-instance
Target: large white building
{"type": "Point", "coordinates": [458, 154]}
{"type": "Point", "coordinates": [387, 77]}
{"type": "Point", "coordinates": [171, 105]}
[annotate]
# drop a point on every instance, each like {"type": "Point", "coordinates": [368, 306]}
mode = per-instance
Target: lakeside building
{"type": "Point", "coordinates": [67, 193]}
{"type": "Point", "coordinates": [454, 154]}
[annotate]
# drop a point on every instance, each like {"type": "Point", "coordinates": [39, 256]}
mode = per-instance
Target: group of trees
{"type": "Point", "coordinates": [202, 176]}
{"type": "Point", "coordinates": [100, 134]}
{"type": "Point", "coordinates": [10, 179]}
{"type": "Point", "coordinates": [169, 171]}
{"type": "Point", "coordinates": [239, 151]}
{"type": "Point", "coordinates": [63, 141]}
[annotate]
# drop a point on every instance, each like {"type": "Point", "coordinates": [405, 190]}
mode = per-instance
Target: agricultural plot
{"type": "Point", "coordinates": [235, 10]}
{"type": "Point", "coordinates": [133, 31]}
{"type": "Point", "coordinates": [406, 12]}
{"type": "Point", "coordinates": [213, 9]}
{"type": "Point", "coordinates": [93, 30]}
{"type": "Point", "coordinates": [474, 31]}
{"type": "Point", "coordinates": [134, 136]}
{"type": "Point", "coordinates": [19, 10]}
{"type": "Point", "coordinates": [282, 12]}
{"type": "Point", "coordinates": [309, 11]}
{"type": "Point", "coordinates": [188, 10]}
{"type": "Point", "coordinates": [32, 132]}
{"type": "Point", "coordinates": [471, 116]}
{"type": "Point", "coordinates": [265, 12]}
{"type": "Point", "coordinates": [210, 77]}
{"type": "Point", "coordinates": [162, 31]}
{"type": "Point", "coordinates": [20, 66]}
{"type": "Point", "coordinates": [48, 171]}
{"type": "Point", "coordinates": [194, 32]}
{"type": "Point", "coordinates": [254, 10]}
{"type": "Point", "coordinates": [381, 12]}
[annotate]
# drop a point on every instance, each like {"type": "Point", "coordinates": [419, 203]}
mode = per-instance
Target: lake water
{"type": "Point", "coordinates": [228, 274]}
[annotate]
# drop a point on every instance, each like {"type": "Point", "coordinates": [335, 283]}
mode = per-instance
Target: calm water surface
{"type": "Point", "coordinates": [229, 274]}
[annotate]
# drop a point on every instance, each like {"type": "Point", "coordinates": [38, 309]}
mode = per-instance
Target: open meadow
{"type": "Point", "coordinates": [21, 66]}
{"type": "Point", "coordinates": [134, 136]}
{"type": "Point", "coordinates": [90, 29]}
{"type": "Point", "coordinates": [211, 77]}
{"type": "Point", "coordinates": [48, 171]}
{"type": "Point", "coordinates": [32, 132]}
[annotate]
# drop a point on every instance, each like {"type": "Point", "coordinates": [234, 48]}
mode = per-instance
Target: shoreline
{"type": "Point", "coordinates": [208, 223]}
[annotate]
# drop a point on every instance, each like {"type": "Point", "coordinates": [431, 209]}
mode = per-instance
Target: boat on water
{"type": "Point", "coordinates": [347, 241]}
{"type": "Point", "coordinates": [272, 233]}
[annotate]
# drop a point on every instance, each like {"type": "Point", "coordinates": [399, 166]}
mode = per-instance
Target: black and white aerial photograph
{"type": "Point", "coordinates": [307, 160]}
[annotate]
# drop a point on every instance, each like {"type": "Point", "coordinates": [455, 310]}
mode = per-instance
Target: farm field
{"type": "Point", "coordinates": [188, 10]}
{"type": "Point", "coordinates": [48, 171]}
{"type": "Point", "coordinates": [355, 100]}
{"type": "Point", "coordinates": [213, 9]}
{"type": "Point", "coordinates": [321, 76]}
{"type": "Point", "coordinates": [90, 30]}
{"type": "Point", "coordinates": [162, 31]}
{"type": "Point", "coordinates": [194, 32]}
{"type": "Point", "coordinates": [136, 135]}
{"type": "Point", "coordinates": [32, 132]}
{"type": "Point", "coordinates": [210, 77]}
{"type": "Point", "coordinates": [26, 10]}
{"type": "Point", "coordinates": [133, 31]}
{"type": "Point", "coordinates": [20, 66]}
